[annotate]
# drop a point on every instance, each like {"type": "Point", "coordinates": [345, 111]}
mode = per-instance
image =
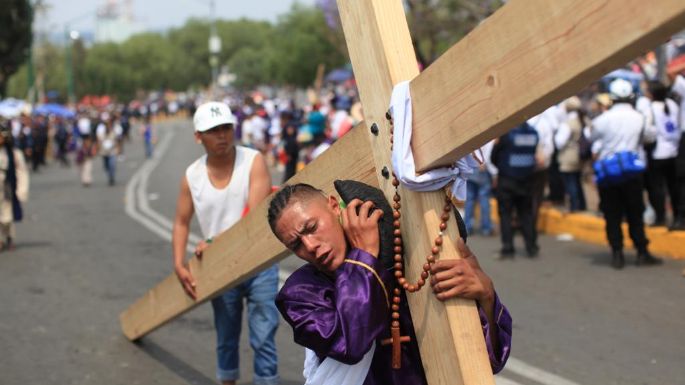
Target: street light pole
{"type": "Point", "coordinates": [71, 98]}
{"type": "Point", "coordinates": [214, 47]}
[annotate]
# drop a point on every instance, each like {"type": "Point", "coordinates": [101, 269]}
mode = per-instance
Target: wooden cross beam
{"type": "Point", "coordinates": [527, 56]}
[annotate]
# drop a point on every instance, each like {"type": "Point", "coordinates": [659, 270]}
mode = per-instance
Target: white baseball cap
{"type": "Point", "coordinates": [620, 89]}
{"type": "Point", "coordinates": [212, 114]}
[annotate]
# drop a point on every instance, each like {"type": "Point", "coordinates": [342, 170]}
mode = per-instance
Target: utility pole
{"type": "Point", "coordinates": [214, 47]}
{"type": "Point", "coordinates": [71, 98]}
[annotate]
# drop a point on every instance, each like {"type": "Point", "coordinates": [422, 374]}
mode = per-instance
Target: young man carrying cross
{"type": "Point", "coordinates": [218, 187]}
{"type": "Point", "coordinates": [339, 303]}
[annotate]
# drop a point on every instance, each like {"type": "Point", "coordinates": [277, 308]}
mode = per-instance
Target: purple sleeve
{"type": "Point", "coordinates": [503, 324]}
{"type": "Point", "coordinates": [338, 317]}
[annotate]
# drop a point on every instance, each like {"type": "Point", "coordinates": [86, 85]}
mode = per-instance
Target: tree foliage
{"type": "Point", "coordinates": [16, 18]}
{"type": "Point", "coordinates": [285, 53]}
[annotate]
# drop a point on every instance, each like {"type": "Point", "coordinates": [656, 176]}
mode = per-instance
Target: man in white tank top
{"type": "Point", "coordinates": [219, 187]}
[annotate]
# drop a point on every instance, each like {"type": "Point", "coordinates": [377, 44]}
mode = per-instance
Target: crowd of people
{"type": "Point", "coordinates": [33, 138]}
{"type": "Point", "coordinates": [560, 155]}
{"type": "Point", "coordinates": [584, 146]}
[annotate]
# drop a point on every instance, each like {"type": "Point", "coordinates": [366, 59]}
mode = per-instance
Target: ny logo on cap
{"type": "Point", "coordinates": [215, 111]}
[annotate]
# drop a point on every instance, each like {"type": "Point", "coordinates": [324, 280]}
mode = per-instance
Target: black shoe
{"type": "Point", "coordinates": [646, 259]}
{"type": "Point", "coordinates": [506, 253]}
{"type": "Point", "coordinates": [617, 259]}
{"type": "Point", "coordinates": [533, 251]}
{"type": "Point", "coordinates": [677, 225]}
{"type": "Point", "coordinates": [658, 223]}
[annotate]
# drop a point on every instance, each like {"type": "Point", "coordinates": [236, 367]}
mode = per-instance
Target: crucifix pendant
{"type": "Point", "coordinates": [395, 339]}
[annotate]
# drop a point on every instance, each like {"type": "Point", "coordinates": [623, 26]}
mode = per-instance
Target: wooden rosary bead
{"type": "Point", "coordinates": [395, 182]}
{"type": "Point", "coordinates": [411, 288]}
{"type": "Point", "coordinates": [396, 300]}
{"type": "Point", "coordinates": [438, 241]}
{"type": "Point", "coordinates": [430, 259]}
{"type": "Point", "coordinates": [397, 233]}
{"type": "Point", "coordinates": [395, 315]}
{"type": "Point", "coordinates": [443, 226]}
{"type": "Point", "coordinates": [447, 208]}
{"type": "Point", "coordinates": [396, 224]}
{"type": "Point", "coordinates": [395, 324]}
{"type": "Point", "coordinates": [435, 250]}
{"type": "Point", "coordinates": [396, 214]}
{"type": "Point", "coordinates": [424, 274]}
{"type": "Point", "coordinates": [398, 241]}
{"type": "Point", "coordinates": [396, 206]}
{"type": "Point", "coordinates": [395, 307]}
{"type": "Point", "coordinates": [405, 286]}
{"type": "Point", "coordinates": [445, 217]}
{"type": "Point", "coordinates": [398, 257]}
{"type": "Point", "coordinates": [398, 274]}
{"type": "Point", "coordinates": [402, 281]}
{"type": "Point", "coordinates": [398, 249]}
{"type": "Point", "coordinates": [426, 268]}
{"type": "Point", "coordinates": [396, 291]}
{"type": "Point", "coordinates": [396, 198]}
{"type": "Point", "coordinates": [421, 282]}
{"type": "Point", "coordinates": [398, 266]}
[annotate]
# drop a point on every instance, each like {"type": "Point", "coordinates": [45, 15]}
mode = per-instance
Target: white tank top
{"type": "Point", "coordinates": [217, 210]}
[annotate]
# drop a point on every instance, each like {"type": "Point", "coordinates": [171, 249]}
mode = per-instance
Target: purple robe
{"type": "Point", "coordinates": [342, 316]}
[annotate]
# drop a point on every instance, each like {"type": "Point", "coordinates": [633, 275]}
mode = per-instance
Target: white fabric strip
{"type": "Point", "coordinates": [332, 372]}
{"type": "Point", "coordinates": [403, 158]}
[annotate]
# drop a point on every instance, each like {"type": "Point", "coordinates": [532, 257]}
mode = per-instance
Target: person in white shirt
{"type": "Point", "coordinates": [567, 142]}
{"type": "Point", "coordinates": [545, 124]}
{"type": "Point", "coordinates": [620, 129]}
{"type": "Point", "coordinates": [479, 192]}
{"type": "Point", "coordinates": [220, 187]}
{"type": "Point", "coordinates": [663, 114]}
{"type": "Point", "coordinates": [678, 88]}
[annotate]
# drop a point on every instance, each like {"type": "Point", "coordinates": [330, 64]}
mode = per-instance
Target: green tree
{"type": "Point", "coordinates": [16, 18]}
{"type": "Point", "coordinates": [436, 25]}
{"type": "Point", "coordinates": [301, 43]}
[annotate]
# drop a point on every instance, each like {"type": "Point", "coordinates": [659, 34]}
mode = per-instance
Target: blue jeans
{"type": "Point", "coordinates": [148, 148]}
{"type": "Point", "coordinates": [260, 292]}
{"type": "Point", "coordinates": [110, 164]}
{"type": "Point", "coordinates": [574, 190]}
{"type": "Point", "coordinates": [478, 189]}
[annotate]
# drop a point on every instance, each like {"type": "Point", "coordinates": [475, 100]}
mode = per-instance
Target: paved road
{"type": "Point", "coordinates": [81, 259]}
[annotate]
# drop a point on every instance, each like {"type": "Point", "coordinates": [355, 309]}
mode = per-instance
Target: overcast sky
{"type": "Point", "coordinates": [162, 14]}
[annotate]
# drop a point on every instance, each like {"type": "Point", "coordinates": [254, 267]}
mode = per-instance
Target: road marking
{"type": "Point", "coordinates": [161, 225]}
{"type": "Point", "coordinates": [523, 369]}
{"type": "Point", "coordinates": [499, 380]}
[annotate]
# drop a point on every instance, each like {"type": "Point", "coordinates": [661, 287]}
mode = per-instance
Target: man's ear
{"type": "Point", "coordinates": [198, 138]}
{"type": "Point", "coordinates": [334, 205]}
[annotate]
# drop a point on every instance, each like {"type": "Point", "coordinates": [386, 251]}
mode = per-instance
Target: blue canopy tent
{"type": "Point", "coordinates": [339, 75]}
{"type": "Point", "coordinates": [54, 109]}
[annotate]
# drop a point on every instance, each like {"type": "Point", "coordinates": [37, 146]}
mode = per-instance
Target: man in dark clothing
{"type": "Point", "coordinates": [514, 157]}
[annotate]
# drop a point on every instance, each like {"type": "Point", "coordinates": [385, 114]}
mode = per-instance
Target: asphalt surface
{"type": "Point", "coordinates": [81, 260]}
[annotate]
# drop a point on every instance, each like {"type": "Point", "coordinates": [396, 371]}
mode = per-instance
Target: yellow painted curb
{"type": "Point", "coordinates": [589, 228]}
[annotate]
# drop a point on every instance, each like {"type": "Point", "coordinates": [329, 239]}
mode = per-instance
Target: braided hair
{"type": "Point", "coordinates": [285, 196]}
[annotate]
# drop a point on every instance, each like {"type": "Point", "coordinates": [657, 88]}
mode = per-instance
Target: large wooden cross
{"type": "Point", "coordinates": [528, 55]}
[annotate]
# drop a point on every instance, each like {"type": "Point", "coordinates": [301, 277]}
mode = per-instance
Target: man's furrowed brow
{"type": "Point", "coordinates": [291, 243]}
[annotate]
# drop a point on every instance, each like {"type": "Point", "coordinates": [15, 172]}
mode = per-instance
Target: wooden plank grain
{"type": "Point", "coordinates": [527, 56]}
{"type": "Point", "coordinates": [449, 334]}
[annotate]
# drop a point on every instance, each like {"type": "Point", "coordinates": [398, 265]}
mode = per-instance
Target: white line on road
{"type": "Point", "coordinates": [161, 225]}
{"type": "Point", "coordinates": [499, 380]}
{"type": "Point", "coordinates": [521, 368]}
